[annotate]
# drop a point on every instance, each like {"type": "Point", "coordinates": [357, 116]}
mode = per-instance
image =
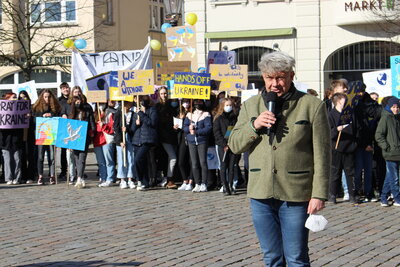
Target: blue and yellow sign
{"type": "Point", "coordinates": [395, 68]}
{"type": "Point", "coordinates": [191, 85]}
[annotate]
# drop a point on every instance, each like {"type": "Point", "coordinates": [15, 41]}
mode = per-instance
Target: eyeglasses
{"type": "Point", "coordinates": [280, 78]}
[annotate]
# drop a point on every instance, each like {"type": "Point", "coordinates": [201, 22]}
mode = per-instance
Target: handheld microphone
{"type": "Point", "coordinates": [270, 100]}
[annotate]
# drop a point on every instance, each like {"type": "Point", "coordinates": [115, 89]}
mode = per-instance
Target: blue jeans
{"type": "Point", "coordinates": [363, 160]}
{"type": "Point", "coordinates": [128, 171]}
{"type": "Point", "coordinates": [391, 184]}
{"type": "Point", "coordinates": [105, 160]}
{"type": "Point", "coordinates": [280, 229]}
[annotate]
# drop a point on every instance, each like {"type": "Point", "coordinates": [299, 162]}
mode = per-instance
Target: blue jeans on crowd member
{"type": "Point", "coordinates": [141, 169]}
{"type": "Point", "coordinates": [363, 160]}
{"type": "Point", "coordinates": [391, 183]}
{"type": "Point", "coordinates": [280, 229]}
{"type": "Point", "coordinates": [344, 183]}
{"type": "Point", "coordinates": [105, 161]}
{"type": "Point", "coordinates": [128, 171]}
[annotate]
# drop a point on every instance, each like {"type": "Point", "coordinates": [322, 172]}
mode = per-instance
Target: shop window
{"type": "Point", "coordinates": [8, 79]}
{"type": "Point", "coordinates": [40, 76]}
{"type": "Point", "coordinates": [156, 14]}
{"type": "Point", "coordinates": [53, 11]}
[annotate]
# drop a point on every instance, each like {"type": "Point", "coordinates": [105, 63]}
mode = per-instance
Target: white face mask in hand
{"type": "Point", "coordinates": [316, 223]}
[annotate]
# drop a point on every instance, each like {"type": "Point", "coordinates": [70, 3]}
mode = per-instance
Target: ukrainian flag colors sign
{"type": "Point", "coordinates": [191, 85]}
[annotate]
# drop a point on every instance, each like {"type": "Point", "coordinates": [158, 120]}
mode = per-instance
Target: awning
{"type": "Point", "coordinates": [249, 34]}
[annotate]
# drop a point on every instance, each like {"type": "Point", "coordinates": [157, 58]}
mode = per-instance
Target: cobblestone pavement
{"type": "Point", "coordinates": [57, 225]}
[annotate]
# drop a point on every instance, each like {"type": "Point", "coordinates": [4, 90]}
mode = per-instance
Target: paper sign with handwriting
{"type": "Point", "coordinates": [191, 85]}
{"type": "Point", "coordinates": [229, 77]}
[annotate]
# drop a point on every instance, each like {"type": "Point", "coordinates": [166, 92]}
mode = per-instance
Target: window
{"type": "Point", "coordinates": [53, 11]}
{"type": "Point", "coordinates": [156, 14]}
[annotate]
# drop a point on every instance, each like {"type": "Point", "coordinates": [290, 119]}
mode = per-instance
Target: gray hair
{"type": "Point", "coordinates": [276, 62]}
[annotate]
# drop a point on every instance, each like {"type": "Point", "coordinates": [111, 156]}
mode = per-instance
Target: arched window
{"type": "Point", "coordinates": [250, 56]}
{"type": "Point", "coordinates": [352, 60]}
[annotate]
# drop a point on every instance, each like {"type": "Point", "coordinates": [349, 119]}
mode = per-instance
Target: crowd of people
{"type": "Point", "coordinates": [165, 142]}
{"type": "Point", "coordinates": [137, 145]}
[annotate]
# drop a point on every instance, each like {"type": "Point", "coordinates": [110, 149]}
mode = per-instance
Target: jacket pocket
{"type": "Point", "coordinates": [255, 170]}
{"type": "Point", "coordinates": [302, 122]}
{"type": "Point", "coordinates": [298, 172]}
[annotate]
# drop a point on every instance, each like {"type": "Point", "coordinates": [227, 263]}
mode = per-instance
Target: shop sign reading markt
{"type": "Point", "coordinates": [370, 5]}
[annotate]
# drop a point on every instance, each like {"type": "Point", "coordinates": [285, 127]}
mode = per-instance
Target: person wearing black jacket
{"type": "Point", "coordinates": [46, 106]}
{"type": "Point", "coordinates": [143, 128]}
{"type": "Point", "coordinates": [343, 153]}
{"type": "Point", "coordinates": [83, 112]}
{"type": "Point", "coordinates": [224, 120]}
{"type": "Point", "coordinates": [63, 100]}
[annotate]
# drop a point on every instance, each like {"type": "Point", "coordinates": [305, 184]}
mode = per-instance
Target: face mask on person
{"type": "Point", "coordinates": [174, 104]}
{"type": "Point", "coordinates": [185, 105]}
{"type": "Point", "coordinates": [228, 109]}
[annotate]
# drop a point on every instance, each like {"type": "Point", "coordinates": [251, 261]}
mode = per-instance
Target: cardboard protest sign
{"type": "Point", "coordinates": [136, 82]}
{"type": "Point", "coordinates": [99, 83]}
{"type": "Point", "coordinates": [221, 57]}
{"type": "Point", "coordinates": [191, 85]}
{"type": "Point", "coordinates": [378, 82]}
{"type": "Point", "coordinates": [181, 44]}
{"type": "Point", "coordinates": [229, 77]}
{"type": "Point", "coordinates": [46, 130]}
{"type": "Point", "coordinates": [353, 96]}
{"type": "Point", "coordinates": [96, 96]}
{"type": "Point", "coordinates": [165, 70]}
{"type": "Point", "coordinates": [114, 92]}
{"type": "Point", "coordinates": [13, 114]}
{"type": "Point", "coordinates": [29, 87]}
{"type": "Point", "coordinates": [72, 134]}
{"type": "Point", "coordinates": [395, 69]}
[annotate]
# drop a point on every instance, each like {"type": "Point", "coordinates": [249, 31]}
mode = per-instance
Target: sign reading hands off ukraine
{"type": "Point", "coordinates": [191, 85]}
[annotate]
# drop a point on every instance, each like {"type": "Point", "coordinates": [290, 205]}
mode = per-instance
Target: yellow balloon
{"type": "Point", "coordinates": [191, 18]}
{"type": "Point", "coordinates": [155, 44]}
{"type": "Point", "coordinates": [68, 43]}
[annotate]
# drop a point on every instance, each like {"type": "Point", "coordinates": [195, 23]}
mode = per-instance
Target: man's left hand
{"type": "Point", "coordinates": [315, 205]}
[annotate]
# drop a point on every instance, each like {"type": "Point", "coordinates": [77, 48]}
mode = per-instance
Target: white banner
{"type": "Point", "coordinates": [379, 82]}
{"type": "Point", "coordinates": [85, 66]}
{"type": "Point", "coordinates": [29, 87]}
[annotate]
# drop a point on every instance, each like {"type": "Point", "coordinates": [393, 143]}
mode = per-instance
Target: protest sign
{"type": "Point", "coordinates": [379, 82]}
{"type": "Point", "coordinates": [97, 96]}
{"type": "Point", "coordinates": [99, 83]}
{"type": "Point", "coordinates": [165, 70]}
{"type": "Point", "coordinates": [181, 44]}
{"type": "Point", "coordinates": [72, 134]}
{"type": "Point", "coordinates": [46, 130]}
{"type": "Point", "coordinates": [246, 94]}
{"type": "Point", "coordinates": [221, 57]}
{"type": "Point", "coordinates": [114, 92]}
{"type": "Point", "coordinates": [191, 85]}
{"type": "Point", "coordinates": [13, 114]}
{"type": "Point", "coordinates": [85, 66]}
{"type": "Point", "coordinates": [354, 88]}
{"type": "Point", "coordinates": [136, 82]}
{"type": "Point", "coordinates": [229, 77]}
{"type": "Point", "coordinates": [395, 69]}
{"type": "Point", "coordinates": [212, 158]}
{"type": "Point", "coordinates": [29, 87]}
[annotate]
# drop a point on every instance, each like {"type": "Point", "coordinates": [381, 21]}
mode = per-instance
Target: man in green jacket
{"type": "Point", "coordinates": [289, 161]}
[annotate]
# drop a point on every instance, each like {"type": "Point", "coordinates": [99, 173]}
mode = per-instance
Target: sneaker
{"type": "Point", "coordinates": [374, 199]}
{"type": "Point", "coordinates": [203, 188]}
{"type": "Point", "coordinates": [10, 182]}
{"type": "Point", "coordinates": [105, 184]}
{"type": "Point", "coordinates": [182, 187]}
{"type": "Point", "coordinates": [15, 182]}
{"type": "Point", "coordinates": [171, 185]}
{"type": "Point", "coordinates": [78, 183]}
{"type": "Point", "coordinates": [346, 197]}
{"type": "Point", "coordinates": [189, 187]}
{"type": "Point", "coordinates": [40, 181]}
{"type": "Point", "coordinates": [396, 204]}
{"type": "Point", "coordinates": [52, 180]}
{"type": "Point", "coordinates": [131, 184]}
{"type": "Point", "coordinates": [221, 190]}
{"type": "Point", "coordinates": [196, 189]}
{"type": "Point", "coordinates": [123, 184]}
{"type": "Point", "coordinates": [71, 182]}
{"type": "Point", "coordinates": [141, 187]}
{"type": "Point", "coordinates": [384, 204]}
{"type": "Point", "coordinates": [83, 183]}
{"type": "Point", "coordinates": [163, 182]}
{"type": "Point", "coordinates": [29, 181]}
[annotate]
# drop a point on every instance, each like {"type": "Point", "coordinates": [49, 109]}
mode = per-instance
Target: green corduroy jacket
{"type": "Point", "coordinates": [387, 136]}
{"type": "Point", "coordinates": [294, 165]}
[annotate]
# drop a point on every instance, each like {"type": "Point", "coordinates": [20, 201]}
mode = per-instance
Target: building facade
{"type": "Point", "coordinates": [329, 39]}
{"type": "Point", "coordinates": [106, 25]}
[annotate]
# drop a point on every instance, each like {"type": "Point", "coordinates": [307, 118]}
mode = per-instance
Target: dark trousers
{"type": "Point", "coordinates": [64, 162]}
{"type": "Point", "coordinates": [184, 160]}
{"type": "Point", "coordinates": [141, 154]}
{"type": "Point", "coordinates": [80, 161]}
{"type": "Point", "coordinates": [151, 164]}
{"type": "Point", "coordinates": [198, 157]}
{"type": "Point", "coordinates": [227, 166]}
{"type": "Point", "coordinates": [341, 161]}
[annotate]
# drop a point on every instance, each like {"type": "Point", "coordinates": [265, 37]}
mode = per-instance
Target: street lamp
{"type": "Point", "coordinates": [174, 9]}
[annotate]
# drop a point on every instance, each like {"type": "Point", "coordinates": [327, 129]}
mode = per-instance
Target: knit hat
{"type": "Point", "coordinates": [392, 101]}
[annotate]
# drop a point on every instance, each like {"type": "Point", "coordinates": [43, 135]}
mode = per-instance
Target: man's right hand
{"type": "Point", "coordinates": [265, 119]}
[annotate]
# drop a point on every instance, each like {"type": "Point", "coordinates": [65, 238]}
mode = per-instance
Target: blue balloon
{"type": "Point", "coordinates": [165, 26]}
{"type": "Point", "coordinates": [80, 43]}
